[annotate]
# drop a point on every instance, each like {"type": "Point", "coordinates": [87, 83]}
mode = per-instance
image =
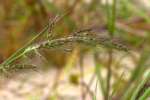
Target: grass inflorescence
{"type": "Point", "coordinates": [82, 36]}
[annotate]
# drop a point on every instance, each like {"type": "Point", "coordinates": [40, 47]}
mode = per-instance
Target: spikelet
{"type": "Point", "coordinates": [9, 69]}
{"type": "Point", "coordinates": [85, 39]}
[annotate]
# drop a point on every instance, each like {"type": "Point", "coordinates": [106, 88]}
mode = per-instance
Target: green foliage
{"type": "Point", "coordinates": [139, 87]}
{"type": "Point", "coordinates": [145, 95]}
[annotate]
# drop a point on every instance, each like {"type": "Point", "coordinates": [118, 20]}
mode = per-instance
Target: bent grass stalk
{"type": "Point", "coordinates": [56, 43]}
{"type": "Point", "coordinates": [85, 38]}
{"type": "Point", "coordinates": [139, 87]}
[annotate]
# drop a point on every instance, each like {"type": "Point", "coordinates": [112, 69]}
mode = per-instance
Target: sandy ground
{"type": "Point", "coordinates": [38, 85]}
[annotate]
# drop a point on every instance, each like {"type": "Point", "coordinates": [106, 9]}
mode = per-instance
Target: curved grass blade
{"type": "Point", "coordinates": [136, 92]}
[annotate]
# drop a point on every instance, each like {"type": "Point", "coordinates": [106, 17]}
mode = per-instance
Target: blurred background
{"type": "Point", "coordinates": [84, 73]}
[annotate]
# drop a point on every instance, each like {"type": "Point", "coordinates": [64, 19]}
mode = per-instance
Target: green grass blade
{"type": "Point", "coordinates": [145, 95]}
{"type": "Point", "coordinates": [135, 94]}
{"type": "Point", "coordinates": [98, 74]}
{"type": "Point", "coordinates": [19, 52]}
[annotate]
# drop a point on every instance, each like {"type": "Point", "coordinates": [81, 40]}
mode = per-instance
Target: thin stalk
{"type": "Point", "coordinates": [101, 81]}
{"type": "Point", "coordinates": [88, 90]}
{"type": "Point", "coordinates": [118, 83]}
{"type": "Point", "coordinates": [82, 76]}
{"type": "Point", "coordinates": [140, 86]}
{"type": "Point", "coordinates": [90, 83]}
{"type": "Point", "coordinates": [108, 13]}
{"type": "Point", "coordinates": [111, 19]}
{"type": "Point", "coordinates": [109, 74]}
{"type": "Point", "coordinates": [95, 96]}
